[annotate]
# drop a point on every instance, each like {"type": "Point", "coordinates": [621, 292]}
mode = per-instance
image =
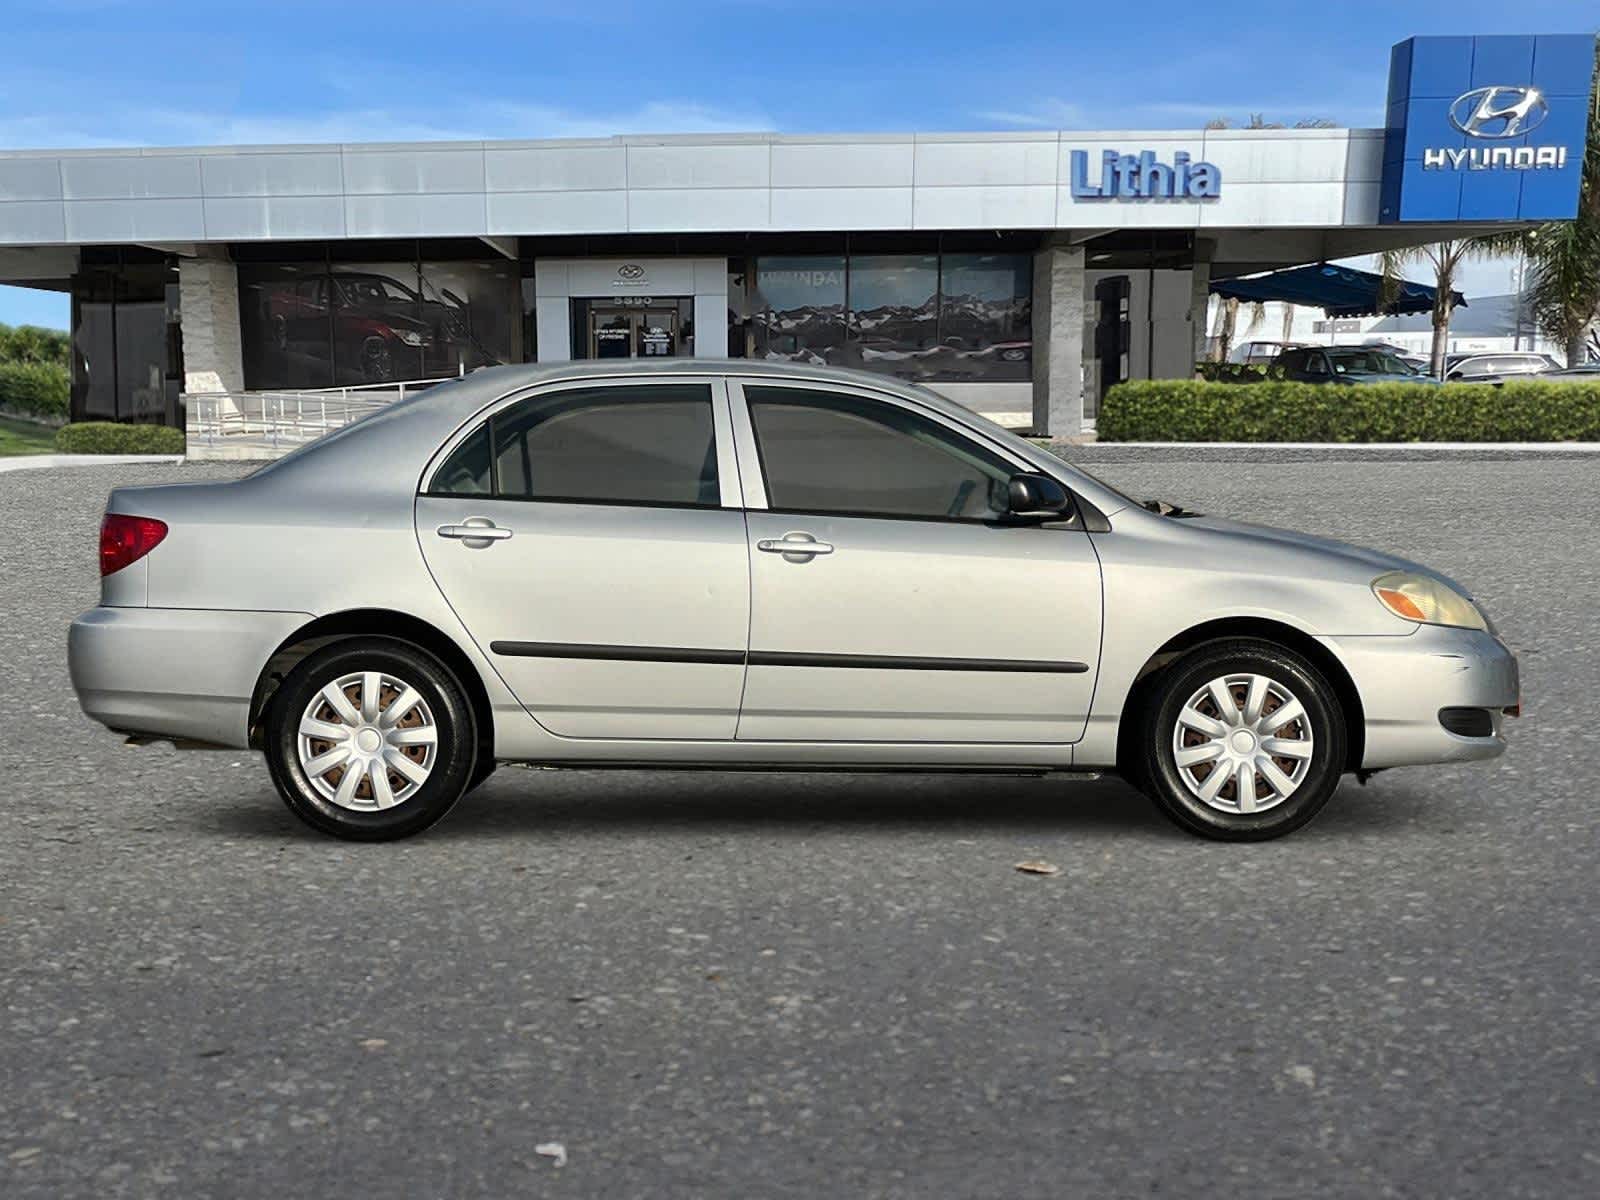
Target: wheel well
{"type": "Point", "coordinates": [1288, 636]}
{"type": "Point", "coordinates": [372, 622]}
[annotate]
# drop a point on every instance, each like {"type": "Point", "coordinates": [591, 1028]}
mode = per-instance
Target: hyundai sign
{"type": "Point", "coordinates": [1486, 128]}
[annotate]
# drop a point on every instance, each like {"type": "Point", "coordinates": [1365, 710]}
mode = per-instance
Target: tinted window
{"type": "Point", "coordinates": [1370, 361]}
{"type": "Point", "coordinates": [320, 324]}
{"type": "Point", "coordinates": [466, 471]}
{"type": "Point", "coordinates": [893, 318]}
{"type": "Point", "coordinates": [619, 445]}
{"type": "Point", "coordinates": [1517, 364]}
{"type": "Point", "coordinates": [923, 316]}
{"type": "Point", "coordinates": [985, 317]}
{"type": "Point", "coordinates": [799, 308]}
{"type": "Point", "coordinates": [825, 452]}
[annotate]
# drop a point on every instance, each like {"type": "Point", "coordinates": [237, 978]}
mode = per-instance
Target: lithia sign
{"type": "Point", "coordinates": [1143, 177]}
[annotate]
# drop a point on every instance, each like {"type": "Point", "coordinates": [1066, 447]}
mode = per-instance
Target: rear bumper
{"type": "Point", "coordinates": [174, 672]}
{"type": "Point", "coordinates": [1404, 682]}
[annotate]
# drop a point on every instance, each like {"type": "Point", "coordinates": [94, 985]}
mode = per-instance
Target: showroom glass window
{"type": "Point", "coordinates": [946, 317]}
{"type": "Point", "coordinates": [894, 313]}
{"type": "Point", "coordinates": [831, 452]}
{"type": "Point", "coordinates": [985, 317]}
{"type": "Point", "coordinates": [641, 444]}
{"type": "Point", "coordinates": [799, 308]}
{"type": "Point", "coordinates": [341, 323]}
{"type": "Point", "coordinates": [127, 357]}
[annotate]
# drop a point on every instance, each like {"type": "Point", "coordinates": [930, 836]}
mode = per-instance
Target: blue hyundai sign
{"type": "Point", "coordinates": [1486, 128]}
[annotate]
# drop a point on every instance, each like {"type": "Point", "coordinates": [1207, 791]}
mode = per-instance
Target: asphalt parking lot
{"type": "Point", "coordinates": [758, 985]}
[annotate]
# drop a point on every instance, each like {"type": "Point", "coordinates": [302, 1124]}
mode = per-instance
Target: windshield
{"type": "Point", "coordinates": [1367, 362]}
{"type": "Point", "coordinates": [375, 290]}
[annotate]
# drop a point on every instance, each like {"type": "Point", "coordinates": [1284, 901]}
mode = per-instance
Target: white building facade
{"type": "Point", "coordinates": [1021, 273]}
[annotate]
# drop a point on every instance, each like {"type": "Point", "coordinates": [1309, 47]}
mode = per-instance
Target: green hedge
{"type": "Point", "coordinates": [1275, 410]}
{"type": "Point", "coordinates": [108, 437]}
{"type": "Point", "coordinates": [34, 389]}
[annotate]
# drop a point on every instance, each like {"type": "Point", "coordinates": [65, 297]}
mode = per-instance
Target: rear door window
{"type": "Point", "coordinates": [618, 444]}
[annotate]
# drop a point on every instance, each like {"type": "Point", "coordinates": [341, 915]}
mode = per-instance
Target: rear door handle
{"type": "Point", "coordinates": [796, 547]}
{"type": "Point", "coordinates": [475, 529]}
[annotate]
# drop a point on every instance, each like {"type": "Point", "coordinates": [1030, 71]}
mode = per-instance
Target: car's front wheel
{"type": "Point", "coordinates": [371, 739]}
{"type": "Point", "coordinates": [1244, 740]}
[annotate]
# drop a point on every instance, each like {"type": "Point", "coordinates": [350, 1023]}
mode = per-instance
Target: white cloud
{"type": "Point", "coordinates": [466, 120]}
{"type": "Point", "coordinates": [1046, 113]}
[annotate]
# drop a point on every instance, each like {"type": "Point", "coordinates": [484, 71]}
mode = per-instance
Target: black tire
{"type": "Point", "coordinates": [481, 772]}
{"type": "Point", "coordinates": [1155, 758]}
{"type": "Point", "coordinates": [455, 752]}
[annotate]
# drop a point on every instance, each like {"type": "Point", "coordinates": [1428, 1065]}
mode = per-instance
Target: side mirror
{"type": "Point", "coordinates": [1036, 495]}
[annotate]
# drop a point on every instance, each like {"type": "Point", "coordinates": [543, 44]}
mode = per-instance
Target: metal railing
{"type": "Point", "coordinates": [268, 424]}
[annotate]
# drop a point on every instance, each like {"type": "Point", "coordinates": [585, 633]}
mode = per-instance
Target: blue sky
{"type": "Point", "coordinates": [142, 72]}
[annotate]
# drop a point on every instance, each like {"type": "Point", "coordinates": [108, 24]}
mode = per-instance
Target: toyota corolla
{"type": "Point", "coordinates": [734, 565]}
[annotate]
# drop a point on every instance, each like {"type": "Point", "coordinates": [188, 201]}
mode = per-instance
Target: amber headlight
{"type": "Point", "coordinates": [1419, 598]}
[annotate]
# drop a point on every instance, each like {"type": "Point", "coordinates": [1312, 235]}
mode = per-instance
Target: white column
{"type": "Point", "coordinates": [711, 308]}
{"type": "Point", "coordinates": [1058, 341]}
{"type": "Point", "coordinates": [208, 298]}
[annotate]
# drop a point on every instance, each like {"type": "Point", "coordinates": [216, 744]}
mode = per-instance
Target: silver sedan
{"type": "Point", "coordinates": [735, 565]}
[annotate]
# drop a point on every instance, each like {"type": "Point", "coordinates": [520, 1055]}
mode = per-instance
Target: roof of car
{"type": "Point", "coordinates": [396, 442]}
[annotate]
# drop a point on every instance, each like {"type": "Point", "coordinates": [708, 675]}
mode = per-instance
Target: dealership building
{"type": "Point", "coordinates": [1021, 273]}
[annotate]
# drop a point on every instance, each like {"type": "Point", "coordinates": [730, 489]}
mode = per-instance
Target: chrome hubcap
{"type": "Point", "coordinates": [1242, 744]}
{"type": "Point", "coordinates": [368, 741]}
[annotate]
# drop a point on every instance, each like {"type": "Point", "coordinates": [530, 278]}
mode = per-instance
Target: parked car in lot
{"type": "Point", "coordinates": [1493, 367]}
{"type": "Point", "coordinates": [1417, 362]}
{"type": "Point", "coordinates": [1344, 364]}
{"type": "Point", "coordinates": [1259, 353]}
{"type": "Point", "coordinates": [1586, 373]}
{"type": "Point", "coordinates": [730, 564]}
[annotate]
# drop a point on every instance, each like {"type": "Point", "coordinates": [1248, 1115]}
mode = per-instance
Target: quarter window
{"type": "Point", "coordinates": [607, 445]}
{"type": "Point", "coordinates": [466, 471]}
{"type": "Point", "coordinates": [826, 452]}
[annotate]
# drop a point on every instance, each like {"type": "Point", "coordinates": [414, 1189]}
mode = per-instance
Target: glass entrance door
{"type": "Point", "coordinates": [633, 332]}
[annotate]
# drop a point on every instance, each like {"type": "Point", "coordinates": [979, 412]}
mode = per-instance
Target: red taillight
{"type": "Point", "coordinates": [125, 540]}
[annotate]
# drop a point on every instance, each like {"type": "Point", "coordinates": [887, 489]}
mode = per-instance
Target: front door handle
{"type": "Point", "coordinates": [476, 532]}
{"type": "Point", "coordinates": [795, 547]}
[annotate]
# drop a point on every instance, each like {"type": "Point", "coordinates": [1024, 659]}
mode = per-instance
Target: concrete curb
{"type": "Point", "coordinates": [35, 462]}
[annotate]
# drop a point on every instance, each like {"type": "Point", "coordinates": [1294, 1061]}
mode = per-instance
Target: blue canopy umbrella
{"type": "Point", "coordinates": [1338, 291]}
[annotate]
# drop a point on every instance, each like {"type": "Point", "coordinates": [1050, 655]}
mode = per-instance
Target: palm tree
{"type": "Point", "coordinates": [1564, 256]}
{"type": "Point", "coordinates": [1445, 258]}
{"type": "Point", "coordinates": [1227, 321]}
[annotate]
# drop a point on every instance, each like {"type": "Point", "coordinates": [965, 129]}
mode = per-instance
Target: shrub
{"type": "Point", "coordinates": [34, 389]}
{"type": "Point", "coordinates": [108, 437]}
{"type": "Point", "coordinates": [1187, 410]}
{"type": "Point", "coordinates": [32, 344]}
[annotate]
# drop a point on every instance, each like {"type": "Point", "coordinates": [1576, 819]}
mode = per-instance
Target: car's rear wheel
{"type": "Point", "coordinates": [1244, 740]}
{"type": "Point", "coordinates": [371, 739]}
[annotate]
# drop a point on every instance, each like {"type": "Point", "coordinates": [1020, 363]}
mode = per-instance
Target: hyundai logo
{"type": "Point", "coordinates": [630, 271]}
{"type": "Point", "coordinates": [1499, 112]}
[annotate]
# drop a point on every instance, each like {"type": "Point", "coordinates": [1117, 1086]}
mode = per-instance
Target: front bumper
{"type": "Point", "coordinates": [174, 672]}
{"type": "Point", "coordinates": [1404, 682]}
